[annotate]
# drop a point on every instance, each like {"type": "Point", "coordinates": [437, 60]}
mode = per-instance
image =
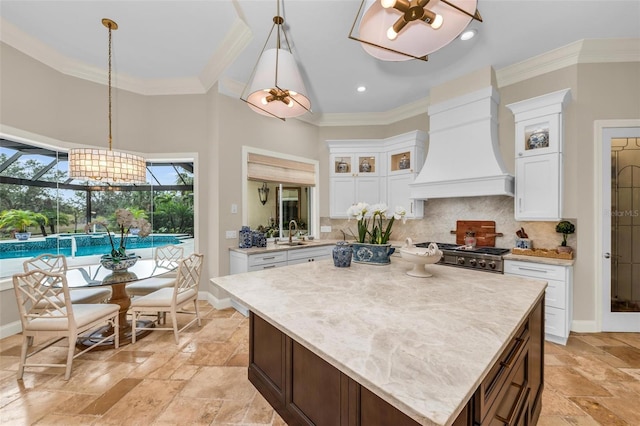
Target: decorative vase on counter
{"type": "Point", "coordinates": [258, 239]}
{"type": "Point", "coordinates": [244, 237]}
{"type": "Point", "coordinates": [373, 254]}
{"type": "Point", "coordinates": [342, 254]}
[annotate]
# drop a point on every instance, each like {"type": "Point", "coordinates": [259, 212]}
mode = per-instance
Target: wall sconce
{"type": "Point", "coordinates": [263, 193]}
{"type": "Point", "coordinates": [399, 30]}
{"type": "Point", "coordinates": [275, 88]}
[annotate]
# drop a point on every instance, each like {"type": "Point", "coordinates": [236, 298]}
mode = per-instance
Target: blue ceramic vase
{"type": "Point", "coordinates": [372, 254]}
{"type": "Point", "coordinates": [342, 253]}
{"type": "Point", "coordinates": [245, 239]}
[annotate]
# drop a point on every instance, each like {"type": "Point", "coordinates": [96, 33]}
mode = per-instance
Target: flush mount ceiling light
{"type": "Point", "coordinates": [276, 88]}
{"type": "Point", "coordinates": [107, 165]}
{"type": "Point", "coordinates": [400, 30]}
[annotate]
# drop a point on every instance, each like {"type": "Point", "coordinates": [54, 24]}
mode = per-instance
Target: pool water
{"type": "Point", "coordinates": [13, 249]}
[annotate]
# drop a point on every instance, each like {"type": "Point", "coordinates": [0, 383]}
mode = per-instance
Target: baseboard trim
{"type": "Point", "coordinates": [10, 329]}
{"type": "Point", "coordinates": [585, 326]}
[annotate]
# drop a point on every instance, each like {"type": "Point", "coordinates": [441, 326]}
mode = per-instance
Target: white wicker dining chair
{"type": "Point", "coordinates": [57, 263]}
{"type": "Point", "coordinates": [46, 310]}
{"type": "Point", "coordinates": [171, 300]}
{"type": "Point", "coordinates": [167, 257]}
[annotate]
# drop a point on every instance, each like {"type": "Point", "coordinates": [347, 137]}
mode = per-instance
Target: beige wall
{"type": "Point", "coordinates": [214, 128]}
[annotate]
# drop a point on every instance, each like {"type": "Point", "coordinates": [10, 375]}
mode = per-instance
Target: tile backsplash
{"type": "Point", "coordinates": [440, 216]}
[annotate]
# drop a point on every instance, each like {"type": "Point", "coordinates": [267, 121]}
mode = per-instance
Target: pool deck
{"type": "Point", "coordinates": [8, 267]}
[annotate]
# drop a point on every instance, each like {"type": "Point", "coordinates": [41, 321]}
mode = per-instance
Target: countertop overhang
{"type": "Point", "coordinates": [421, 344]}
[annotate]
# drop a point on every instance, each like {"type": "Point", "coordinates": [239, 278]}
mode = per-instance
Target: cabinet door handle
{"type": "Point", "coordinates": [268, 266]}
{"type": "Point", "coordinates": [520, 204]}
{"type": "Point", "coordinates": [411, 207]}
{"type": "Point", "coordinates": [508, 363]}
{"type": "Point", "coordinates": [268, 258]}
{"type": "Point", "coordinates": [522, 268]}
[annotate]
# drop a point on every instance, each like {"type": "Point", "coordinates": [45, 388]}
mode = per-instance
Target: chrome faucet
{"type": "Point", "coordinates": [295, 226]}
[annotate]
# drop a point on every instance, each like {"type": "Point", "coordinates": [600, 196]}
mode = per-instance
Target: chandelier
{"type": "Point", "coordinates": [107, 165]}
{"type": "Point", "coordinates": [400, 30]}
{"type": "Point", "coordinates": [276, 88]}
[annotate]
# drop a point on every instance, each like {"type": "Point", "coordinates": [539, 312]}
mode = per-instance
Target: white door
{"type": "Point", "coordinates": [621, 229]}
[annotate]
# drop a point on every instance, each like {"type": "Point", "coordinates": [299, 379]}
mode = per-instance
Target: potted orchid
{"type": "Point", "coordinates": [118, 259]}
{"type": "Point", "coordinates": [374, 230]}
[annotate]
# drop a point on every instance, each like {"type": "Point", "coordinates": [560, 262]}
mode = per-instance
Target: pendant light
{"type": "Point", "coordinates": [276, 88]}
{"type": "Point", "coordinates": [400, 30]}
{"type": "Point", "coordinates": [107, 165]}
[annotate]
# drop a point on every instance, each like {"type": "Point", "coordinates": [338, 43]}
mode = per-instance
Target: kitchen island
{"type": "Point", "coordinates": [372, 345]}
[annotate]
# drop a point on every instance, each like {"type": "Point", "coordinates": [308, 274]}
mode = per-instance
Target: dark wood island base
{"type": "Point", "coordinates": [306, 390]}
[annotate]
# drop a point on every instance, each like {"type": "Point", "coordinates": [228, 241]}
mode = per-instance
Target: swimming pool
{"type": "Point", "coordinates": [80, 245]}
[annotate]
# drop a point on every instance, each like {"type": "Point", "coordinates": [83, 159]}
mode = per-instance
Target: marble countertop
{"type": "Point", "coordinates": [538, 259]}
{"type": "Point", "coordinates": [422, 344]}
{"type": "Point", "coordinates": [271, 247]}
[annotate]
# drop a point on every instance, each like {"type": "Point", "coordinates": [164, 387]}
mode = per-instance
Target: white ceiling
{"type": "Point", "coordinates": [186, 46]}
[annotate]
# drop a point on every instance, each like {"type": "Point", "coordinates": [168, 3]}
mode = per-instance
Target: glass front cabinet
{"type": "Point", "coordinates": [375, 171]}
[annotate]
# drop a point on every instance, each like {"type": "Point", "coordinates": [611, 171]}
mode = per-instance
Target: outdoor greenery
{"type": "Point", "coordinates": [20, 220]}
{"type": "Point", "coordinates": [64, 210]}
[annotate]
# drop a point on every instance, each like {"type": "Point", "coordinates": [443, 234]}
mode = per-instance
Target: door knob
{"type": "Point", "coordinates": [607, 255]}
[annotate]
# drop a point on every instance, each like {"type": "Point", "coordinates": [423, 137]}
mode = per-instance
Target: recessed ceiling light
{"type": "Point", "coordinates": [468, 35]}
{"type": "Point", "coordinates": [361, 89]}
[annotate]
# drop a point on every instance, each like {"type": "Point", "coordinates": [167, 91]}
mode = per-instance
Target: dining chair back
{"type": "Point", "coordinates": [46, 310]}
{"type": "Point", "coordinates": [167, 257]}
{"type": "Point", "coordinates": [57, 263]}
{"type": "Point", "coordinates": [171, 300]}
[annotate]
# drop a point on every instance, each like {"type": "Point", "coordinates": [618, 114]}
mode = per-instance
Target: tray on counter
{"type": "Point", "coordinates": [539, 252]}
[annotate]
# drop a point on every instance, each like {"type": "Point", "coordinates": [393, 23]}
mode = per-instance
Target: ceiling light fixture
{"type": "Point", "coordinates": [361, 89]}
{"type": "Point", "coordinates": [412, 28]}
{"type": "Point", "coordinates": [468, 35]}
{"type": "Point", "coordinates": [107, 165]}
{"type": "Point", "coordinates": [276, 88]}
{"type": "Point", "coordinates": [263, 193]}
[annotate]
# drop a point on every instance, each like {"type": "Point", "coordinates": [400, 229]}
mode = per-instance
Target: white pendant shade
{"type": "Point", "coordinates": [417, 38]}
{"type": "Point", "coordinates": [288, 78]}
{"type": "Point", "coordinates": [106, 165]}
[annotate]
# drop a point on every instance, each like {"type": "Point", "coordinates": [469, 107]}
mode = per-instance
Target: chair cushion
{"type": "Point", "coordinates": [84, 314]}
{"type": "Point", "coordinates": [144, 287]}
{"type": "Point", "coordinates": [82, 295]}
{"type": "Point", "coordinates": [163, 298]}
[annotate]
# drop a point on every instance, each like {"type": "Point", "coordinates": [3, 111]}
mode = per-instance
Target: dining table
{"type": "Point", "coordinates": [93, 275]}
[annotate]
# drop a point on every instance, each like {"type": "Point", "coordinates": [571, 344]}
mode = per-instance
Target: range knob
{"type": "Point", "coordinates": [473, 262]}
{"type": "Point", "coordinates": [461, 261]}
{"type": "Point", "coordinates": [482, 263]}
{"type": "Point", "coordinates": [492, 265]}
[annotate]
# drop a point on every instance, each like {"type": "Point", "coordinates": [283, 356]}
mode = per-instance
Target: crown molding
{"type": "Point", "coordinates": [235, 41]}
{"type": "Point", "coordinates": [580, 52]}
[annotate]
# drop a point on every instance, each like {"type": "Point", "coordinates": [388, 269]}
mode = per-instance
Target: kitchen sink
{"type": "Point", "coordinates": [292, 243]}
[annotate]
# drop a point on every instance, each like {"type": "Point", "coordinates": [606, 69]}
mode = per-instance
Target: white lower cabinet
{"type": "Point", "coordinates": [242, 262]}
{"type": "Point", "coordinates": [311, 254]}
{"type": "Point", "coordinates": [558, 303]}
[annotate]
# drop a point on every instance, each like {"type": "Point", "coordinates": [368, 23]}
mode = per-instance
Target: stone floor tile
{"type": "Point", "coordinates": [259, 411]}
{"type": "Point", "coordinates": [33, 406]}
{"type": "Point", "coordinates": [212, 354]}
{"type": "Point", "coordinates": [66, 420]}
{"type": "Point", "coordinates": [144, 403]}
{"type": "Point", "coordinates": [189, 411]}
{"type": "Point", "coordinates": [571, 383]}
{"type": "Point", "coordinates": [228, 383]}
{"type": "Point", "coordinates": [628, 354]}
{"type": "Point", "coordinates": [104, 402]}
{"type": "Point", "coordinates": [598, 412]}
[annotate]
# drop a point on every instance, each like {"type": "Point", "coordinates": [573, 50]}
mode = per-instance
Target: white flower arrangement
{"type": "Point", "coordinates": [374, 215]}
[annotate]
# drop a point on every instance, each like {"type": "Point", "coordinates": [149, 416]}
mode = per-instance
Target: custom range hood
{"type": "Point", "coordinates": [464, 157]}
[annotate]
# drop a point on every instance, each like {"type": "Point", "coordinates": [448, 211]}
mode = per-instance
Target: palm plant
{"type": "Point", "coordinates": [20, 220]}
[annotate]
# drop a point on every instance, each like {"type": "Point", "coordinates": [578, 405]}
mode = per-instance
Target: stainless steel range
{"type": "Point", "coordinates": [483, 258]}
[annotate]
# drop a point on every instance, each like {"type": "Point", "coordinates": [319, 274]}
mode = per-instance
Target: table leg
{"type": "Point", "coordinates": [120, 297]}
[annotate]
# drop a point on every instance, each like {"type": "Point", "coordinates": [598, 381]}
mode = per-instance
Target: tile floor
{"type": "Point", "coordinates": [594, 380]}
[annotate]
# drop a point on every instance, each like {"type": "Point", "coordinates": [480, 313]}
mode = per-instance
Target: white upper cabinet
{"type": "Point", "coordinates": [374, 171]}
{"type": "Point", "coordinates": [538, 152]}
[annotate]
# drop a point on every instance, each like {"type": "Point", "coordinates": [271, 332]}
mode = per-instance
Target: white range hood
{"type": "Point", "coordinates": [464, 157]}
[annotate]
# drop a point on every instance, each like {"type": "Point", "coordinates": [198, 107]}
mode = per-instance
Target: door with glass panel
{"type": "Point", "coordinates": [621, 233]}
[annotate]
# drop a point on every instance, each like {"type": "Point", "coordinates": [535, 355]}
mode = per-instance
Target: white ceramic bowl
{"type": "Point", "coordinates": [421, 257]}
